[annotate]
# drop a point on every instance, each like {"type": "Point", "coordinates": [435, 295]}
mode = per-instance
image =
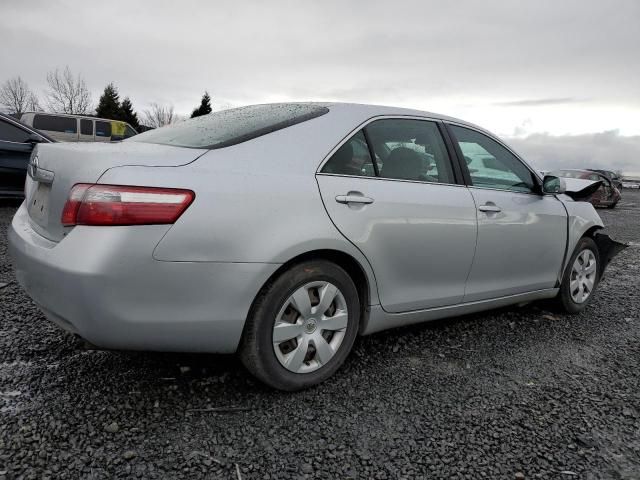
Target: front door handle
{"type": "Point", "coordinates": [489, 208]}
{"type": "Point", "coordinates": [353, 199]}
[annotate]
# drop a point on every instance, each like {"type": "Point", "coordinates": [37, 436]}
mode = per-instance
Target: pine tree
{"type": "Point", "coordinates": [109, 104]}
{"type": "Point", "coordinates": [128, 115]}
{"type": "Point", "coordinates": [204, 108]}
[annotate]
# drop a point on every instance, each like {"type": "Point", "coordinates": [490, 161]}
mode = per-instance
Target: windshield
{"type": "Point", "coordinates": [229, 127]}
{"type": "Point", "coordinates": [568, 173]}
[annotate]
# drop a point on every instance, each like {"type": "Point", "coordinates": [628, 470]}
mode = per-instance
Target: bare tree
{"type": "Point", "coordinates": [159, 116]}
{"type": "Point", "coordinates": [17, 97]}
{"type": "Point", "coordinates": [67, 94]}
{"type": "Point", "coordinates": [33, 103]}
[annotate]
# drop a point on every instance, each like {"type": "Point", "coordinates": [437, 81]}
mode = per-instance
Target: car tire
{"type": "Point", "coordinates": [613, 205]}
{"type": "Point", "coordinates": [280, 311]}
{"type": "Point", "coordinates": [581, 277]}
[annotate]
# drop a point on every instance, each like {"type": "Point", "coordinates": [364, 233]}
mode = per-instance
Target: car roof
{"type": "Point", "coordinates": [372, 110]}
{"type": "Point", "coordinates": [18, 123]}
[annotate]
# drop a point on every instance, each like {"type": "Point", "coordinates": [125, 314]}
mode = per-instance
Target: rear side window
{"type": "Point", "coordinates": [403, 150]}
{"type": "Point", "coordinates": [86, 127]}
{"type": "Point", "coordinates": [54, 123]}
{"type": "Point", "coordinates": [352, 158]}
{"type": "Point", "coordinates": [103, 129]}
{"type": "Point", "coordinates": [11, 133]}
{"type": "Point", "coordinates": [410, 150]}
{"type": "Point", "coordinates": [230, 127]}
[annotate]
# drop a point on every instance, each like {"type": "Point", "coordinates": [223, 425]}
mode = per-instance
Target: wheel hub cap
{"type": "Point", "coordinates": [310, 327]}
{"type": "Point", "coordinates": [583, 276]}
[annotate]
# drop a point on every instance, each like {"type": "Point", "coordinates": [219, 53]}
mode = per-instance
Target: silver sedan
{"type": "Point", "coordinates": [283, 231]}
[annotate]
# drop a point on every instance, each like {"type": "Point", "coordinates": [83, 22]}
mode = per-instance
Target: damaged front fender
{"type": "Point", "coordinates": [607, 248]}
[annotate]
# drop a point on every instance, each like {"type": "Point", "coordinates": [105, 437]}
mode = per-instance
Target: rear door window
{"type": "Point", "coordinates": [403, 150]}
{"type": "Point", "coordinates": [103, 129]}
{"type": "Point", "coordinates": [410, 150]}
{"type": "Point", "coordinates": [352, 158]}
{"type": "Point", "coordinates": [230, 127]}
{"type": "Point", "coordinates": [54, 123]}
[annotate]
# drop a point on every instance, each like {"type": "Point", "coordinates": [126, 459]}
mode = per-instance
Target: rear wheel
{"type": "Point", "coordinates": [580, 278]}
{"type": "Point", "coordinates": [302, 326]}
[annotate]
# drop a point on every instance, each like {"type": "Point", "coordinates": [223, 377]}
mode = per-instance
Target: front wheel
{"type": "Point", "coordinates": [580, 278]}
{"type": "Point", "coordinates": [302, 326]}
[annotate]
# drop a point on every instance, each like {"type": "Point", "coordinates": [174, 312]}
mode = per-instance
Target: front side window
{"type": "Point", "coordinates": [103, 129]}
{"type": "Point", "coordinates": [352, 158]}
{"type": "Point", "coordinates": [490, 164]}
{"type": "Point", "coordinates": [410, 150]}
{"type": "Point", "coordinates": [11, 133]}
{"type": "Point", "coordinates": [54, 123]}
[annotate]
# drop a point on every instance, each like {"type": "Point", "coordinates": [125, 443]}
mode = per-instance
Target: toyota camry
{"type": "Point", "coordinates": [283, 231]}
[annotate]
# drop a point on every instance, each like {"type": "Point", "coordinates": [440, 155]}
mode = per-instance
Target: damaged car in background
{"type": "Point", "coordinates": [283, 231]}
{"type": "Point", "coordinates": [606, 195]}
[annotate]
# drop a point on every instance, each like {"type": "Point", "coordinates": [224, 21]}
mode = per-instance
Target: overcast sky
{"type": "Point", "coordinates": [520, 68]}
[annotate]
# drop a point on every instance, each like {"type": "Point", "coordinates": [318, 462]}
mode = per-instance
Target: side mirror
{"type": "Point", "coordinates": [35, 138]}
{"type": "Point", "coordinates": [553, 184]}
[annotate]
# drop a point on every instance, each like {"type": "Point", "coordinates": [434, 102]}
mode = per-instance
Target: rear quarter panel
{"type": "Point", "coordinates": [256, 202]}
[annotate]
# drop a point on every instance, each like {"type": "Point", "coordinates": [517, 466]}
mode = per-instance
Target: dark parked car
{"type": "Point", "coordinates": [613, 176]}
{"type": "Point", "coordinates": [608, 195]}
{"type": "Point", "coordinates": [16, 143]}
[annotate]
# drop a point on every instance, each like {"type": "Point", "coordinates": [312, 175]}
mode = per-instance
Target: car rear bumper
{"type": "Point", "coordinates": [103, 284]}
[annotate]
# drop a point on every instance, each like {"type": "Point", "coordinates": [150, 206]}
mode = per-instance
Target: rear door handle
{"type": "Point", "coordinates": [489, 208]}
{"type": "Point", "coordinates": [353, 199]}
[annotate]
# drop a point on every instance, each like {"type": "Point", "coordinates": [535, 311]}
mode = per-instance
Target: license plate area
{"type": "Point", "coordinates": [39, 204]}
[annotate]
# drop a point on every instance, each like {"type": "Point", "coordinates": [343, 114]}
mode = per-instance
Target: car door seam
{"type": "Point", "coordinates": [566, 244]}
{"type": "Point", "coordinates": [475, 250]}
{"type": "Point", "coordinates": [347, 239]}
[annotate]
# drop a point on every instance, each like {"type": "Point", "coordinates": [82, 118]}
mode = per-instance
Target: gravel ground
{"type": "Point", "coordinates": [514, 393]}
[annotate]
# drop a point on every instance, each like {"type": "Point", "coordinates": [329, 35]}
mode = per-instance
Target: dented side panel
{"type": "Point", "coordinates": [582, 217]}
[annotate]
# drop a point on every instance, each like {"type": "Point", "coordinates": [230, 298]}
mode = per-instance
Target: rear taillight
{"type": "Point", "coordinates": [123, 205]}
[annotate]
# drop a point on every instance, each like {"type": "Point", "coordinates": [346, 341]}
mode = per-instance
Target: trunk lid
{"type": "Point", "coordinates": [59, 166]}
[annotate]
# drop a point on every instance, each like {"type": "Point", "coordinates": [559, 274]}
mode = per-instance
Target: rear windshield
{"type": "Point", "coordinates": [229, 127]}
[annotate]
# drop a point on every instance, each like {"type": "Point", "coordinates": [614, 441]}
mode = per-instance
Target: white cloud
{"type": "Point", "coordinates": [607, 150]}
{"type": "Point", "coordinates": [410, 53]}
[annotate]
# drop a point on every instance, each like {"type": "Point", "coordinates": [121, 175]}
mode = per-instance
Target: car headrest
{"type": "Point", "coordinates": [403, 163]}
